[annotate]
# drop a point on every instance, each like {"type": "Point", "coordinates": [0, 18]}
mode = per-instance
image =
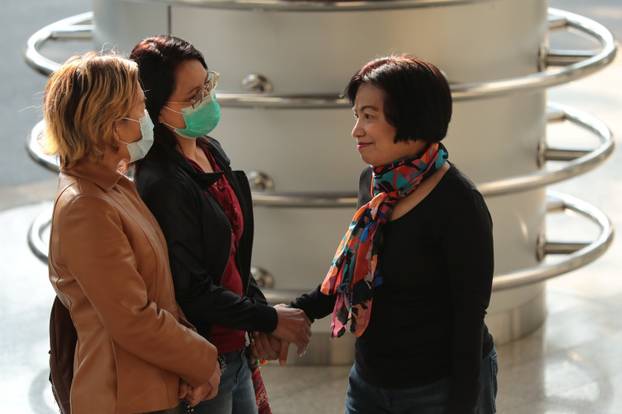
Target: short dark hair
{"type": "Point", "coordinates": [158, 57]}
{"type": "Point", "coordinates": [417, 95]}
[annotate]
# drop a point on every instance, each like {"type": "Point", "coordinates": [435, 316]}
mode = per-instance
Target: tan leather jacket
{"type": "Point", "coordinates": [109, 265]}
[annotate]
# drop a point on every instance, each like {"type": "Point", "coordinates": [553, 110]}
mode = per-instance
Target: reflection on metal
{"type": "Point", "coordinates": [313, 5]}
{"type": "Point", "coordinates": [74, 27]}
{"type": "Point", "coordinates": [576, 166]}
{"type": "Point", "coordinates": [574, 68]}
{"type": "Point", "coordinates": [264, 279]}
{"type": "Point", "coordinates": [257, 83]}
{"type": "Point", "coordinates": [579, 253]}
{"type": "Point", "coordinates": [35, 150]}
{"type": "Point", "coordinates": [36, 241]}
{"type": "Point", "coordinates": [578, 162]}
{"type": "Point", "coordinates": [260, 181]}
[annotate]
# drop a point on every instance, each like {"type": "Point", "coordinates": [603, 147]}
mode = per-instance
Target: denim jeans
{"type": "Point", "coordinates": [236, 394]}
{"type": "Point", "coordinates": [364, 398]}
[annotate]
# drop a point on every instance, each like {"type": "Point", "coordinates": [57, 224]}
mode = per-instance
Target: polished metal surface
{"type": "Point", "coordinates": [313, 5]}
{"type": "Point", "coordinates": [579, 254]}
{"type": "Point", "coordinates": [70, 28]}
{"type": "Point", "coordinates": [257, 83]}
{"type": "Point", "coordinates": [260, 181]}
{"type": "Point", "coordinates": [75, 26]}
{"type": "Point", "coordinates": [264, 279]}
{"type": "Point", "coordinates": [579, 162]}
{"type": "Point", "coordinates": [37, 242]}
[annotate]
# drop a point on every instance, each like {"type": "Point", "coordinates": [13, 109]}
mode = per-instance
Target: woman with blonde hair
{"type": "Point", "coordinates": [108, 260]}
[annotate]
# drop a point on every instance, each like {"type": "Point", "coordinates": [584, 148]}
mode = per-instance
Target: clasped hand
{"type": "Point", "coordinates": [293, 327]}
{"type": "Point", "coordinates": [194, 395]}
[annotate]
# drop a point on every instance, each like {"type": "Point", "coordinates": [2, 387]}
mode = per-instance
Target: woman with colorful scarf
{"type": "Point", "coordinates": [412, 276]}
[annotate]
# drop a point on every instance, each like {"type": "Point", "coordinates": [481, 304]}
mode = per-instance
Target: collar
{"type": "Point", "coordinates": [178, 159]}
{"type": "Point", "coordinates": [95, 172]}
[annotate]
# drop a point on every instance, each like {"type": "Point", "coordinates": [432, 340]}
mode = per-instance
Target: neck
{"type": "Point", "coordinates": [188, 147]}
{"type": "Point", "coordinates": [416, 147]}
{"type": "Point", "coordinates": [111, 161]}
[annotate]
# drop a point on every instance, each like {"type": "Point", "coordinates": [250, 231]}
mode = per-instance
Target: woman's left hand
{"type": "Point", "coordinates": [264, 346]}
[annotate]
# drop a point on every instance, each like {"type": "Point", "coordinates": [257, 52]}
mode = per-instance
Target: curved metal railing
{"type": "Point", "coordinates": [576, 65]}
{"type": "Point", "coordinates": [313, 5]}
{"type": "Point", "coordinates": [579, 253]}
{"type": "Point", "coordinates": [577, 162]}
{"type": "Point", "coordinates": [70, 28]}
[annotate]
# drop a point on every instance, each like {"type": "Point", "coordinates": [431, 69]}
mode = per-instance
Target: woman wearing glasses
{"type": "Point", "coordinates": [205, 211]}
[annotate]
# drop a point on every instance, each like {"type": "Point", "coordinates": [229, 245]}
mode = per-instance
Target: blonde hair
{"type": "Point", "coordinates": [82, 100]}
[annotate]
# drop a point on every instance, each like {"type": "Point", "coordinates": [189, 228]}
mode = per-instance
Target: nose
{"type": "Point", "coordinates": [357, 130]}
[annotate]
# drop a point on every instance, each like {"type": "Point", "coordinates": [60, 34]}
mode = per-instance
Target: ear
{"type": "Point", "coordinates": [115, 130]}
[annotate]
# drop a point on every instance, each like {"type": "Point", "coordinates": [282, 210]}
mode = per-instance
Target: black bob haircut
{"type": "Point", "coordinates": [417, 101]}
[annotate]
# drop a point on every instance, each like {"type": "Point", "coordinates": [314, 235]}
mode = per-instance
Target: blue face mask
{"type": "Point", "coordinates": [138, 149]}
{"type": "Point", "coordinates": [200, 120]}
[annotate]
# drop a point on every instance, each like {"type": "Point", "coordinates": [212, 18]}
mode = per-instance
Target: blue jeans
{"type": "Point", "coordinates": [236, 394]}
{"type": "Point", "coordinates": [364, 398]}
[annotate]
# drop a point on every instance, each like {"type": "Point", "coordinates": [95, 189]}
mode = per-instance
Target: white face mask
{"type": "Point", "coordinates": [140, 148]}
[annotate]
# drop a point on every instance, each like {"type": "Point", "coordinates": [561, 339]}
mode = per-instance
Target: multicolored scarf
{"type": "Point", "coordinates": [354, 274]}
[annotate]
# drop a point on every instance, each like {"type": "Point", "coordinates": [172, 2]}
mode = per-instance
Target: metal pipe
{"type": "Point", "coordinates": [463, 91]}
{"type": "Point", "coordinates": [579, 254]}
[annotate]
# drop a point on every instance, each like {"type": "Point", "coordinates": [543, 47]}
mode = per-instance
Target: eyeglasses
{"type": "Point", "coordinates": [208, 87]}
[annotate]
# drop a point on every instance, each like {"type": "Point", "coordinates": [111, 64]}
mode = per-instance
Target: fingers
{"type": "Point", "coordinates": [198, 394]}
{"type": "Point", "coordinates": [214, 383]}
{"type": "Point", "coordinates": [283, 353]}
{"type": "Point", "coordinates": [183, 390]}
{"type": "Point", "coordinates": [263, 346]}
{"type": "Point", "coordinates": [293, 325]}
{"type": "Point", "coordinates": [301, 349]}
{"type": "Point", "coordinates": [275, 343]}
{"type": "Point", "coordinates": [213, 393]}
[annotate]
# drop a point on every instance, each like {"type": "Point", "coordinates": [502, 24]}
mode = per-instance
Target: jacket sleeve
{"type": "Point", "coordinates": [255, 293]}
{"type": "Point", "coordinates": [315, 304]}
{"type": "Point", "coordinates": [470, 261]}
{"type": "Point", "coordinates": [203, 301]}
{"type": "Point", "coordinates": [98, 254]}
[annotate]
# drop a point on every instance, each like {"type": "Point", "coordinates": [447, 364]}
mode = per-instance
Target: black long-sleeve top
{"type": "Point", "coordinates": [427, 320]}
{"type": "Point", "coordinates": [198, 235]}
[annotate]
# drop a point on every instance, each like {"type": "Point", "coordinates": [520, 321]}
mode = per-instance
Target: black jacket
{"type": "Point", "coordinates": [198, 234]}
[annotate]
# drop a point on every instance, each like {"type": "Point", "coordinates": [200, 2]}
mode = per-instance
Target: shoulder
{"type": "Point", "coordinates": [457, 186]}
{"type": "Point", "coordinates": [156, 175]}
{"type": "Point", "coordinates": [77, 191]}
{"type": "Point", "coordinates": [462, 198]}
{"type": "Point", "coordinates": [76, 205]}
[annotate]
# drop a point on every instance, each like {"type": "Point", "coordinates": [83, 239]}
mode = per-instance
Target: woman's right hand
{"type": "Point", "coordinates": [293, 326]}
{"type": "Point", "coordinates": [206, 391]}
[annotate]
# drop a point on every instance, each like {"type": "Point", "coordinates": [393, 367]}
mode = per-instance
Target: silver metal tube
{"type": "Point", "coordinates": [463, 91]}
{"type": "Point", "coordinates": [580, 254]}
{"type": "Point", "coordinates": [567, 57]}
{"type": "Point", "coordinates": [579, 162]}
{"type": "Point", "coordinates": [313, 5]}
{"type": "Point", "coordinates": [563, 247]}
{"type": "Point", "coordinates": [560, 154]}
